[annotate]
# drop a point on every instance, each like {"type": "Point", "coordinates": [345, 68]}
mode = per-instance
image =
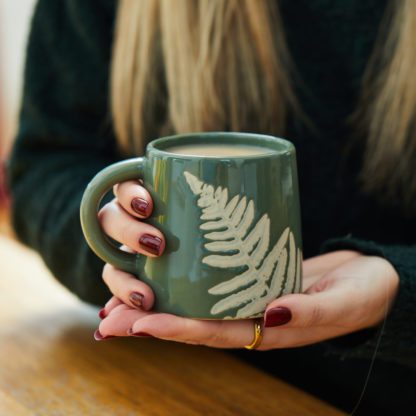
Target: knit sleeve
{"type": "Point", "coordinates": [64, 138]}
{"type": "Point", "coordinates": [395, 339]}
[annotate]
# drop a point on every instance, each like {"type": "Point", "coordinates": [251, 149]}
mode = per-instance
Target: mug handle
{"type": "Point", "coordinates": [96, 238]}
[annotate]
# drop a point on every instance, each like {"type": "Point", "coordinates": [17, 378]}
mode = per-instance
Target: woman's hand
{"type": "Point", "coordinates": [120, 219]}
{"type": "Point", "coordinates": [344, 292]}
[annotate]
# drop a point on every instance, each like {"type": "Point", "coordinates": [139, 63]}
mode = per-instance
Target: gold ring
{"type": "Point", "coordinates": [258, 334]}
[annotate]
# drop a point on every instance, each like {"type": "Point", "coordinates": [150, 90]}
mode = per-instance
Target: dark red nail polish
{"type": "Point", "coordinates": [102, 314]}
{"type": "Point", "coordinates": [99, 337]}
{"type": "Point", "coordinates": [151, 243]}
{"type": "Point", "coordinates": [136, 299]}
{"type": "Point", "coordinates": [277, 316]}
{"type": "Point", "coordinates": [139, 205]}
{"type": "Point", "coordinates": [138, 334]}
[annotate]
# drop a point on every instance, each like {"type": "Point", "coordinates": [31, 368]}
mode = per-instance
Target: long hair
{"type": "Point", "coordinates": [184, 65]}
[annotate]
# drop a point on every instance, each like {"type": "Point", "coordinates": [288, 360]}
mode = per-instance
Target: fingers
{"type": "Point", "coordinates": [324, 308]}
{"type": "Point", "coordinates": [123, 321]}
{"type": "Point", "coordinates": [141, 237]}
{"type": "Point", "coordinates": [128, 288]}
{"type": "Point", "coordinates": [348, 299]}
{"type": "Point", "coordinates": [226, 334]}
{"type": "Point", "coordinates": [219, 334]}
{"type": "Point", "coordinates": [310, 280]}
{"type": "Point", "coordinates": [320, 265]}
{"type": "Point", "coordinates": [301, 319]}
{"type": "Point", "coordinates": [109, 306]}
{"type": "Point", "coordinates": [118, 322]}
{"type": "Point", "coordinates": [314, 268]}
{"type": "Point", "coordinates": [134, 198]}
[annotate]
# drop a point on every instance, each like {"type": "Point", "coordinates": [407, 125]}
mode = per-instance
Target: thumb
{"type": "Point", "coordinates": [302, 310]}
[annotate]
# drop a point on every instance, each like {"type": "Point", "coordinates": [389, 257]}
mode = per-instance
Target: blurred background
{"type": "Point", "coordinates": [15, 16]}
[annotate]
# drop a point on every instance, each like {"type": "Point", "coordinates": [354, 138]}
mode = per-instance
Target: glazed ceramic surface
{"type": "Point", "coordinates": [232, 225]}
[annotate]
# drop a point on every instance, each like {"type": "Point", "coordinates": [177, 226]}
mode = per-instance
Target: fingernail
{"type": "Point", "coordinates": [277, 316]}
{"type": "Point", "coordinates": [102, 314]}
{"type": "Point", "coordinates": [136, 299]}
{"type": "Point", "coordinates": [138, 334]}
{"type": "Point", "coordinates": [99, 337]}
{"type": "Point", "coordinates": [139, 205]}
{"type": "Point", "coordinates": [150, 243]}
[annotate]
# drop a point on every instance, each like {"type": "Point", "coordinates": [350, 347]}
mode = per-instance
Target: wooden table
{"type": "Point", "coordinates": [50, 364]}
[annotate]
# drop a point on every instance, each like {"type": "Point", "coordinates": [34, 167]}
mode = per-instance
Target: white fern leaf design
{"type": "Point", "coordinates": [298, 286]}
{"type": "Point", "coordinates": [267, 274]}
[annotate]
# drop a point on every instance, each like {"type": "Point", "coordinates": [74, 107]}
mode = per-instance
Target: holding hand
{"type": "Point", "coordinates": [343, 292]}
{"type": "Point", "coordinates": [120, 219]}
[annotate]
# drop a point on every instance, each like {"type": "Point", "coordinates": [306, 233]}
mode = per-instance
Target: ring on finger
{"type": "Point", "coordinates": [258, 334]}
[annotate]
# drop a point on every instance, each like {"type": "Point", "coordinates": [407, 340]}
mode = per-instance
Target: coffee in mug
{"type": "Point", "coordinates": [212, 149]}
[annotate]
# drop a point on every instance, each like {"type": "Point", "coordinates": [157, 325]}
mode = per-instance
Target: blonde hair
{"type": "Point", "coordinates": [184, 65]}
{"type": "Point", "coordinates": [386, 113]}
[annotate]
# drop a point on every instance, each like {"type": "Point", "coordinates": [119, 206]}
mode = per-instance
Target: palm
{"type": "Point", "coordinates": [343, 292]}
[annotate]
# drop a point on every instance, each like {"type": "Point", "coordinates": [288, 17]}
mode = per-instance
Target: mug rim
{"type": "Point", "coordinates": [277, 145]}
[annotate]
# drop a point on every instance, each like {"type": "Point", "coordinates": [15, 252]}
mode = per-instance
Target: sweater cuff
{"type": "Point", "coordinates": [396, 336]}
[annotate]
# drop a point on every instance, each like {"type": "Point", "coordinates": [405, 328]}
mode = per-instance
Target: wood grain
{"type": "Point", "coordinates": [50, 364]}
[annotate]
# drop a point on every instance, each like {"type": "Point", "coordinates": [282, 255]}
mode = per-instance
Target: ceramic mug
{"type": "Point", "coordinates": [231, 224]}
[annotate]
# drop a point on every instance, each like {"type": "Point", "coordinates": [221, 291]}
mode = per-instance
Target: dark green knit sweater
{"type": "Point", "coordinates": [66, 136]}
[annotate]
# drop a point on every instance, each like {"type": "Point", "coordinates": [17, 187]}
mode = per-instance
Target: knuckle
{"type": "Point", "coordinates": [316, 316]}
{"type": "Point", "coordinates": [321, 285]}
{"type": "Point", "coordinates": [126, 234]}
{"type": "Point", "coordinates": [212, 339]}
{"type": "Point", "coordinates": [121, 187]}
{"type": "Point", "coordinates": [215, 337]}
{"type": "Point", "coordinates": [108, 271]}
{"type": "Point", "coordinates": [105, 212]}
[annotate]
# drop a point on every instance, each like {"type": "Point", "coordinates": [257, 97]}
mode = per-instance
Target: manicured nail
{"type": "Point", "coordinates": [102, 314]}
{"type": "Point", "coordinates": [139, 205]}
{"type": "Point", "coordinates": [151, 243]}
{"type": "Point", "coordinates": [136, 299]}
{"type": "Point", "coordinates": [138, 334]}
{"type": "Point", "coordinates": [99, 337]}
{"type": "Point", "coordinates": [277, 316]}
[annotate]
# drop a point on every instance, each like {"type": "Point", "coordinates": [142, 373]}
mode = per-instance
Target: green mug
{"type": "Point", "coordinates": [231, 224]}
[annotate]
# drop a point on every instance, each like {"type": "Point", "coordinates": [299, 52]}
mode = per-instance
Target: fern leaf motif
{"type": "Point", "coordinates": [229, 228]}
